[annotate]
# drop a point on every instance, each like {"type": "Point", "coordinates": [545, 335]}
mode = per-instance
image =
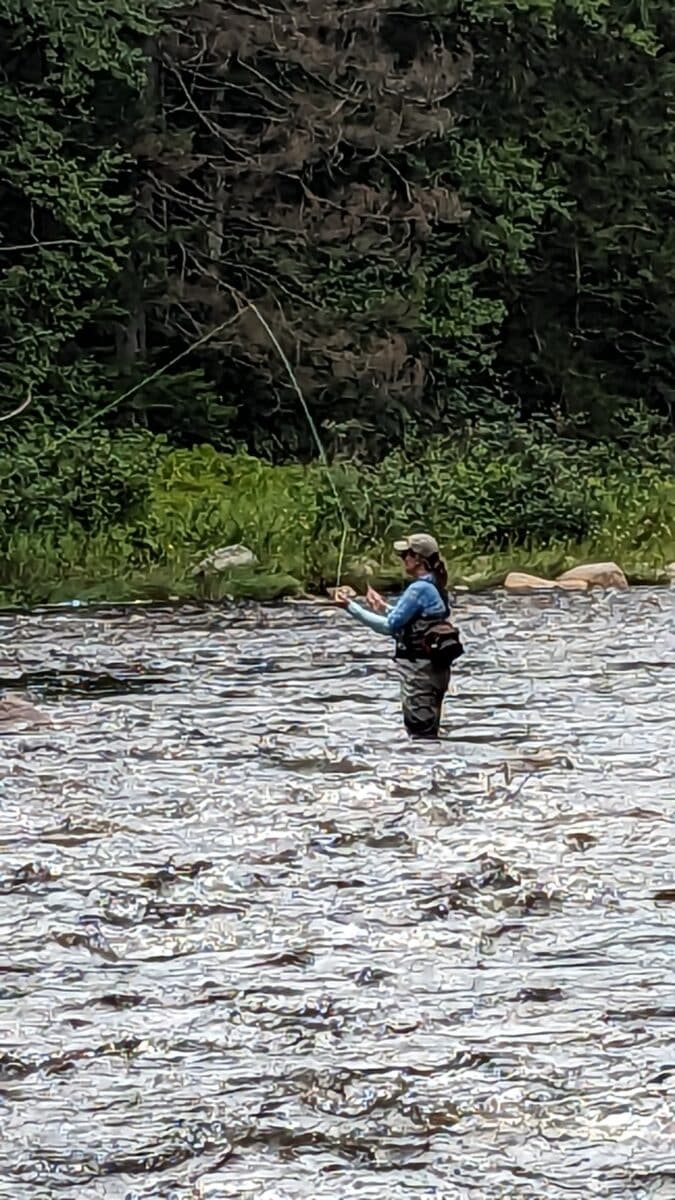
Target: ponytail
{"type": "Point", "coordinates": [440, 574]}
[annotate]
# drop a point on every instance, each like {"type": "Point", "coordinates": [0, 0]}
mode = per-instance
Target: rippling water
{"type": "Point", "coordinates": [255, 944]}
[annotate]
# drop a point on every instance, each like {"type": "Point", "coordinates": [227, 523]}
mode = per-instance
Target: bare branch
{"type": "Point", "coordinates": [36, 245]}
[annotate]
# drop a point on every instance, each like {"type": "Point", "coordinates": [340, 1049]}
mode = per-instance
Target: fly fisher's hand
{"type": "Point", "coordinates": [376, 601]}
{"type": "Point", "coordinates": [342, 595]}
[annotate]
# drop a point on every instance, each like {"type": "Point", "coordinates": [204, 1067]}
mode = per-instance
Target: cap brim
{"type": "Point", "coordinates": [399, 547]}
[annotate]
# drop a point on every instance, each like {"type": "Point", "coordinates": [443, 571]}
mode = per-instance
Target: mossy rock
{"type": "Point", "coordinates": [645, 576]}
{"type": "Point", "coordinates": [252, 586]}
{"type": "Point", "coordinates": [103, 591]}
{"type": "Point", "coordinates": [480, 582]}
{"type": "Point", "coordinates": [161, 585]}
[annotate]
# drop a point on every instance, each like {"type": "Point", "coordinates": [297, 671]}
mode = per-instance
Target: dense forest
{"type": "Point", "coordinates": [455, 217]}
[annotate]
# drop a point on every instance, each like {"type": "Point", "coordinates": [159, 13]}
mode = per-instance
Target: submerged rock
{"type": "Point", "coordinates": [538, 760]}
{"type": "Point", "coordinates": [604, 575]}
{"type": "Point", "coordinates": [14, 711]}
{"type": "Point", "coordinates": [516, 581]}
{"type": "Point", "coordinates": [226, 559]}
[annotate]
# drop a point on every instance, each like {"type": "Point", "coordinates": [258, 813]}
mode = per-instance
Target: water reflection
{"type": "Point", "coordinates": [255, 944]}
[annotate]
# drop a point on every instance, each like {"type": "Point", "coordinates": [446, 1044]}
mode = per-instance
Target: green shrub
{"type": "Point", "coordinates": [84, 515]}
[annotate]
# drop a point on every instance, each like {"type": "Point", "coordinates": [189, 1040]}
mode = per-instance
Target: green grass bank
{"type": "Point", "coordinates": [108, 516]}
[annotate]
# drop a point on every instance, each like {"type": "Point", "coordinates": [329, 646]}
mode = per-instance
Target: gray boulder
{"type": "Point", "coordinates": [227, 559]}
{"type": "Point", "coordinates": [16, 712]}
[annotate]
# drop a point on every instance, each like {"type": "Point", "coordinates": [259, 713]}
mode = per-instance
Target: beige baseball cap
{"type": "Point", "coordinates": [420, 543]}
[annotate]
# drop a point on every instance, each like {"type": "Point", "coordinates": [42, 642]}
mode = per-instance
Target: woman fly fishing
{"type": "Point", "coordinates": [426, 643]}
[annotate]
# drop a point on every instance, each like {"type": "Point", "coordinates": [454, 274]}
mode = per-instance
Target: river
{"type": "Point", "coordinates": [257, 945]}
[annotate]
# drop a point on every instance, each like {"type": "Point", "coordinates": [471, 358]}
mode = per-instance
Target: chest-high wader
{"type": "Point", "coordinates": [431, 639]}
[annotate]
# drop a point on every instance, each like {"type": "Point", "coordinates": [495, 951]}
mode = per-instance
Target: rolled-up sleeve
{"type": "Point", "coordinates": [408, 607]}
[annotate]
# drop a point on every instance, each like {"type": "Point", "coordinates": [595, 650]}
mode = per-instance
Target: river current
{"type": "Point", "coordinates": [257, 945]}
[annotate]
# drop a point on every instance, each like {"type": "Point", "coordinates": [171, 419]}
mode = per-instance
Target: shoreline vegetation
{"type": "Point", "coordinates": [115, 517]}
{"type": "Point", "coordinates": [434, 253]}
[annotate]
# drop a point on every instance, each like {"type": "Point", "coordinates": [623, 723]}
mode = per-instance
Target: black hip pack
{"type": "Point", "coordinates": [442, 644]}
{"type": "Point", "coordinates": [431, 639]}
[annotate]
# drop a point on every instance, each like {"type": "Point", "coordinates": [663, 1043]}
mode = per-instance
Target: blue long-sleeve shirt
{"type": "Point", "coordinates": [421, 599]}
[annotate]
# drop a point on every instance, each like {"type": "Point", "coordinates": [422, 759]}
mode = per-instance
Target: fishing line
{"type": "Point", "coordinates": [143, 383]}
{"type": "Point", "coordinates": [20, 408]}
{"type": "Point", "coordinates": [296, 387]}
{"type": "Point", "coordinates": [315, 434]}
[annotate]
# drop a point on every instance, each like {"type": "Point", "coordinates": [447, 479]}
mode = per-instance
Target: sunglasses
{"type": "Point", "coordinates": [406, 554]}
